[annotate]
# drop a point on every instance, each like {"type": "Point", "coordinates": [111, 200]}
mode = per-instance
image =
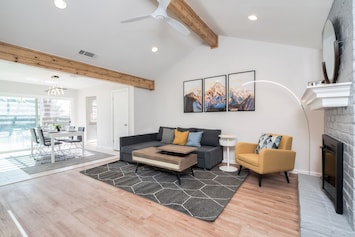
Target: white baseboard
{"type": "Point", "coordinates": [306, 172]}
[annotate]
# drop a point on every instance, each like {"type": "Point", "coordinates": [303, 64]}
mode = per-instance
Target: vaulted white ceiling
{"type": "Point", "coordinates": [95, 26]}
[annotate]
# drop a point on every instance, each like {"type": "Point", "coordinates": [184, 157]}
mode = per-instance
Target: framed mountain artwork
{"type": "Point", "coordinates": [193, 101]}
{"type": "Point", "coordinates": [241, 91]}
{"type": "Point", "coordinates": [215, 94]}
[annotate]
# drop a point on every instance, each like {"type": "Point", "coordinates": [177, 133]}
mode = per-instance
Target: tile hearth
{"type": "Point", "coordinates": [317, 214]}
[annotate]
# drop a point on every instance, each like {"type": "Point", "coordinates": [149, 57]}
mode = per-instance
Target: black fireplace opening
{"type": "Point", "coordinates": [332, 171]}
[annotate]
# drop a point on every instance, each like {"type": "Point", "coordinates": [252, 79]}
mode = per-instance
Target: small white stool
{"type": "Point", "coordinates": [227, 141]}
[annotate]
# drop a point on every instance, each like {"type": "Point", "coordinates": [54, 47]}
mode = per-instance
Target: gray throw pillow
{"type": "Point", "coordinates": [168, 135]}
{"type": "Point", "coordinates": [160, 132]}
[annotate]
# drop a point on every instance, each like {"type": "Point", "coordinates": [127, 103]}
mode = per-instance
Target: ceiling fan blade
{"type": "Point", "coordinates": [161, 14]}
{"type": "Point", "coordinates": [136, 19]}
{"type": "Point", "coordinates": [177, 25]}
{"type": "Point", "coordinates": [164, 4]}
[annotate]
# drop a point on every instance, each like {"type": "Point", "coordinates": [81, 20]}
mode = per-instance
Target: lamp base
{"type": "Point", "coordinates": [228, 168]}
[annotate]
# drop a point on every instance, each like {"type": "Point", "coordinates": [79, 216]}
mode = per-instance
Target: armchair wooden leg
{"type": "Point", "coordinates": [286, 175]}
{"type": "Point", "coordinates": [240, 169]}
{"type": "Point", "coordinates": [260, 177]}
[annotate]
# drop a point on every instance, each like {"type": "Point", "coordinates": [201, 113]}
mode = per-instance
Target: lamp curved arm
{"type": "Point", "coordinates": [299, 103]}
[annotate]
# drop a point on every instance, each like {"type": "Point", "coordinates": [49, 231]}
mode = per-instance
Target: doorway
{"type": "Point", "coordinates": [121, 116]}
{"type": "Point", "coordinates": [91, 119]}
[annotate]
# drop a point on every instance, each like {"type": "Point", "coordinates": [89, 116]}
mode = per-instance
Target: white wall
{"type": "Point", "coordinates": [103, 95]}
{"type": "Point", "coordinates": [145, 108]}
{"type": "Point", "coordinates": [276, 109]}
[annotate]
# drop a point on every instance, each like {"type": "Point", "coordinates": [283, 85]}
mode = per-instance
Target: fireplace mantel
{"type": "Point", "coordinates": [327, 96]}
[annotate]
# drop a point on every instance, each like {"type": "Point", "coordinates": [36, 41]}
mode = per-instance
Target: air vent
{"type": "Point", "coordinates": [86, 53]}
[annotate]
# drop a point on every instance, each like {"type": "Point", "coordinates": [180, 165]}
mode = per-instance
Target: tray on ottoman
{"type": "Point", "coordinates": [176, 150]}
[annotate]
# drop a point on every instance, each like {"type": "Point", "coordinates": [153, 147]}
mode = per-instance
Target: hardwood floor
{"type": "Point", "coordinates": [72, 204]}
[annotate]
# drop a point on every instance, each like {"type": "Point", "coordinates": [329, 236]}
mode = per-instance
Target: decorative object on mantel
{"type": "Point", "coordinates": [55, 88]}
{"type": "Point", "coordinates": [330, 62]}
{"type": "Point", "coordinates": [327, 96]}
{"type": "Point", "coordinates": [193, 101]}
{"type": "Point", "coordinates": [215, 94]}
{"type": "Point", "coordinates": [314, 83]}
{"type": "Point", "coordinates": [241, 98]}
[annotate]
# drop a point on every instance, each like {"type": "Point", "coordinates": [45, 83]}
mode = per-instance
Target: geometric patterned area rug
{"type": "Point", "coordinates": [203, 196]}
{"type": "Point", "coordinates": [30, 165]}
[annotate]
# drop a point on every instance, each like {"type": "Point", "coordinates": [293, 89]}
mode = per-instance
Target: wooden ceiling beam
{"type": "Point", "coordinates": [35, 58]}
{"type": "Point", "coordinates": [185, 14]}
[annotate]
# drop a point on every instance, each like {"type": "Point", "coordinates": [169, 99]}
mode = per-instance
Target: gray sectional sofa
{"type": "Point", "coordinates": [209, 154]}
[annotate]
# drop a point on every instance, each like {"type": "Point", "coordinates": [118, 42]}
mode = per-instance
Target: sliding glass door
{"type": "Point", "coordinates": [19, 114]}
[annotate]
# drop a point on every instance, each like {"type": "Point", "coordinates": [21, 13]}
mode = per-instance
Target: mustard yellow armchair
{"type": "Point", "coordinates": [268, 160]}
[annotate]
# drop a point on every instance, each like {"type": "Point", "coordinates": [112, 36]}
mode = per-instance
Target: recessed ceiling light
{"type": "Point", "coordinates": [252, 17]}
{"type": "Point", "coordinates": [60, 4]}
{"type": "Point", "coordinates": [154, 49]}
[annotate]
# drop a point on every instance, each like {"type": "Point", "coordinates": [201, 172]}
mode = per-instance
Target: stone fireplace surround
{"type": "Point", "coordinates": [340, 122]}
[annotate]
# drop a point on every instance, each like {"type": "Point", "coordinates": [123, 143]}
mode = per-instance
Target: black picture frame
{"type": "Point", "coordinates": [215, 96]}
{"type": "Point", "coordinates": [193, 96]}
{"type": "Point", "coordinates": [241, 91]}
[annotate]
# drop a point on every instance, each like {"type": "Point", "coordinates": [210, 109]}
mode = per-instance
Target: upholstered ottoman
{"type": "Point", "coordinates": [170, 157]}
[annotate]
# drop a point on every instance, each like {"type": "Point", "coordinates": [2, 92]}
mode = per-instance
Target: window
{"type": "Point", "coordinates": [54, 111]}
{"type": "Point", "coordinates": [18, 114]}
{"type": "Point", "coordinates": [92, 109]}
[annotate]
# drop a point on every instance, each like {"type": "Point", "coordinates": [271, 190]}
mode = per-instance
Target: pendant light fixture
{"type": "Point", "coordinates": [55, 88]}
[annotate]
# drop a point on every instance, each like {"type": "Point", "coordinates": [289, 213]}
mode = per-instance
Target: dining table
{"type": "Point", "coordinates": [56, 134]}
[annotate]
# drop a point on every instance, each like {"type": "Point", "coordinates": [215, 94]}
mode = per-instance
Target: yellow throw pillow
{"type": "Point", "coordinates": [180, 138]}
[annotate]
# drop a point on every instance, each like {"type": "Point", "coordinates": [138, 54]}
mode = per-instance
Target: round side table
{"type": "Point", "coordinates": [227, 141]}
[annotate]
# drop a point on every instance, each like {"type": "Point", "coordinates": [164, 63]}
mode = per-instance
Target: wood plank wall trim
{"type": "Point", "coordinates": [188, 16]}
{"type": "Point", "coordinates": [30, 57]}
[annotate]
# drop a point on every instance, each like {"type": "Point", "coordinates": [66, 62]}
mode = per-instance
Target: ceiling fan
{"type": "Point", "coordinates": [161, 14]}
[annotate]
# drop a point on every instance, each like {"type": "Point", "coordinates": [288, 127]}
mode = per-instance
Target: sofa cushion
{"type": "Point", "coordinates": [168, 135]}
{"type": "Point", "coordinates": [210, 137]}
{"type": "Point", "coordinates": [186, 129]}
{"type": "Point", "coordinates": [268, 141]}
{"type": "Point", "coordinates": [160, 133]}
{"type": "Point", "coordinates": [194, 139]}
{"type": "Point", "coordinates": [203, 149]}
{"type": "Point", "coordinates": [180, 138]}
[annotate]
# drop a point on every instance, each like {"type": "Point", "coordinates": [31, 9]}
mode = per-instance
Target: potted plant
{"type": "Point", "coordinates": [57, 127]}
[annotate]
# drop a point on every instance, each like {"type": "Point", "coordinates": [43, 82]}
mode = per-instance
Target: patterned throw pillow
{"type": "Point", "coordinates": [180, 138]}
{"type": "Point", "coordinates": [194, 139]}
{"type": "Point", "coordinates": [268, 141]}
